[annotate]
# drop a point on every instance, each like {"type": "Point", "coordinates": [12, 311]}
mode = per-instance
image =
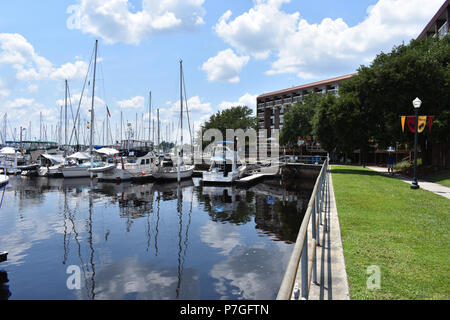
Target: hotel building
{"type": "Point", "coordinates": [439, 24]}
{"type": "Point", "coordinates": [272, 106]}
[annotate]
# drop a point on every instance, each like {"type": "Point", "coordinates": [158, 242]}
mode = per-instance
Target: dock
{"type": "Point", "coordinates": [253, 179]}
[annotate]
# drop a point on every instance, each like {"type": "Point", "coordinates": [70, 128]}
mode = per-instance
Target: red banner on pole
{"type": "Point", "coordinates": [411, 121]}
{"type": "Point", "coordinates": [430, 123]}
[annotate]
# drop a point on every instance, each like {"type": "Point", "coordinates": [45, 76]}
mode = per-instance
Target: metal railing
{"type": "Point", "coordinates": [289, 288]}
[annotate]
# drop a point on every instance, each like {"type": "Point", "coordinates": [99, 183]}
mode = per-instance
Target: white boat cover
{"type": "Point", "coordinates": [7, 150]}
{"type": "Point", "coordinates": [53, 158]}
{"type": "Point", "coordinates": [107, 151]}
{"type": "Point", "coordinates": [79, 156]}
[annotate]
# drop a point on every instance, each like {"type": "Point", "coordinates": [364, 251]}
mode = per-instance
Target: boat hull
{"type": "Point", "coordinates": [219, 178]}
{"type": "Point", "coordinates": [173, 174]}
{"type": "Point", "coordinates": [116, 173]}
{"type": "Point", "coordinates": [4, 180]}
{"type": "Point", "coordinates": [75, 172]}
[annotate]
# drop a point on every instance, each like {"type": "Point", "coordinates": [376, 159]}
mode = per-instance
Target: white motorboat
{"type": "Point", "coordinates": [226, 166]}
{"type": "Point", "coordinates": [131, 168]}
{"type": "Point", "coordinates": [9, 159]}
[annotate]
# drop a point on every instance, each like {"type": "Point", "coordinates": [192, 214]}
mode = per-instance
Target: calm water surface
{"type": "Point", "coordinates": [147, 241]}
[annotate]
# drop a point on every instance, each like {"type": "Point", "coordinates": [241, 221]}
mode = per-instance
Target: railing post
{"type": "Point", "coordinates": [304, 266]}
{"type": "Point", "coordinates": [314, 236]}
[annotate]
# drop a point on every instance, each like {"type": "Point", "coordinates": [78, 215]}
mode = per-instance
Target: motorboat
{"type": "Point", "coordinates": [9, 160]}
{"type": "Point", "coordinates": [125, 169]}
{"type": "Point", "coordinates": [226, 166]}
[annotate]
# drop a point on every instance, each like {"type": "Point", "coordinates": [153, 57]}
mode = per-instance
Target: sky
{"type": "Point", "coordinates": [232, 51]}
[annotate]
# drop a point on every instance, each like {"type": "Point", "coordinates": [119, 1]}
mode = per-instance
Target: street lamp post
{"type": "Point", "coordinates": [416, 103]}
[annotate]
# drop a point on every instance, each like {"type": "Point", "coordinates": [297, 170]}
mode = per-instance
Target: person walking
{"type": "Point", "coordinates": [390, 163]}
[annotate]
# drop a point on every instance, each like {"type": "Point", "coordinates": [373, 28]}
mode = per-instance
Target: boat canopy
{"type": "Point", "coordinates": [108, 151]}
{"type": "Point", "coordinates": [53, 158]}
{"type": "Point", "coordinates": [7, 150]}
{"type": "Point", "coordinates": [79, 156]}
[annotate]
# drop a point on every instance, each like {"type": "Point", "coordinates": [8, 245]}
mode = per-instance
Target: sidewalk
{"type": "Point", "coordinates": [429, 186]}
{"type": "Point", "coordinates": [331, 272]}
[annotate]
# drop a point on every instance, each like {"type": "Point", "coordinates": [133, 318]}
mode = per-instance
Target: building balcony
{"type": "Point", "coordinates": [261, 105]}
{"type": "Point", "coordinates": [443, 30]}
{"type": "Point", "coordinates": [278, 102]}
{"type": "Point", "coordinates": [287, 101]}
{"type": "Point", "coordinates": [269, 104]}
{"type": "Point", "coordinates": [296, 99]}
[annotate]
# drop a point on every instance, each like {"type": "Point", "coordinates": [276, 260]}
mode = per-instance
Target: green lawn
{"type": "Point", "coordinates": [441, 177]}
{"type": "Point", "coordinates": [402, 231]}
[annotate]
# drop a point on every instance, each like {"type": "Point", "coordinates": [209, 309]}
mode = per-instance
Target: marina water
{"type": "Point", "coordinates": [148, 241]}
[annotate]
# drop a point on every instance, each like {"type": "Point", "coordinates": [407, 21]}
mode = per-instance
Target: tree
{"type": "Point", "coordinates": [368, 110]}
{"type": "Point", "coordinates": [298, 120]}
{"type": "Point", "coordinates": [387, 88]}
{"type": "Point", "coordinates": [239, 117]}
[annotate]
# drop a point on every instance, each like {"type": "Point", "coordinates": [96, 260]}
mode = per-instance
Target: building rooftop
{"type": "Point", "coordinates": [440, 16]}
{"type": "Point", "coordinates": [308, 86]}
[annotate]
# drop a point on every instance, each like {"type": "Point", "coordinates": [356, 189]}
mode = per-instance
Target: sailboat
{"type": "Point", "coordinates": [130, 168]}
{"type": "Point", "coordinates": [81, 169]}
{"type": "Point", "coordinates": [181, 171]}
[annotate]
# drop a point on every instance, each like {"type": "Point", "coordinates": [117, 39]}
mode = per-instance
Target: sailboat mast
{"type": "Point", "coordinates": [157, 114]}
{"type": "Point", "coordinates": [65, 115]}
{"type": "Point", "coordinates": [149, 116]}
{"type": "Point", "coordinates": [91, 141]}
{"type": "Point", "coordinates": [180, 153]}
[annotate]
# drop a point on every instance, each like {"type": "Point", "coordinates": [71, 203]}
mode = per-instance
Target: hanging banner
{"type": "Point", "coordinates": [422, 123]}
{"type": "Point", "coordinates": [430, 123]}
{"type": "Point", "coordinates": [403, 123]}
{"type": "Point", "coordinates": [411, 121]}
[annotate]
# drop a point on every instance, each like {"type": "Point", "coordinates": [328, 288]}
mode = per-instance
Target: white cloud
{"type": "Point", "coordinates": [133, 103]}
{"type": "Point", "coordinates": [32, 88]}
{"type": "Point", "coordinates": [225, 66]}
{"type": "Point", "coordinates": [113, 20]}
{"type": "Point", "coordinates": [329, 47]}
{"type": "Point", "coordinates": [259, 30]}
{"type": "Point", "coordinates": [247, 99]}
{"type": "Point", "coordinates": [194, 104]}
{"type": "Point", "coordinates": [3, 91]}
{"type": "Point", "coordinates": [18, 53]}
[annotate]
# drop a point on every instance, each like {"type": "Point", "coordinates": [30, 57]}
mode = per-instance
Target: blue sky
{"type": "Point", "coordinates": [232, 51]}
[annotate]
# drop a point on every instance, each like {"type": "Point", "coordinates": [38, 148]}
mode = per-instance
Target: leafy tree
{"type": "Point", "coordinates": [239, 117]}
{"type": "Point", "coordinates": [298, 120]}
{"type": "Point", "coordinates": [368, 110]}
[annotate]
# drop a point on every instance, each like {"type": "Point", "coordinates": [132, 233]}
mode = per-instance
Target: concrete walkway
{"type": "Point", "coordinates": [331, 274]}
{"type": "Point", "coordinates": [429, 186]}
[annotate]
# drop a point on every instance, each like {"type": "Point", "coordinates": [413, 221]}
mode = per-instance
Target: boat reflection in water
{"type": "Point", "coordinates": [148, 241]}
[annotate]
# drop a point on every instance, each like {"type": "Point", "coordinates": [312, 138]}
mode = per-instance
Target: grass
{"type": "Point", "coordinates": [402, 231]}
{"type": "Point", "coordinates": [441, 177]}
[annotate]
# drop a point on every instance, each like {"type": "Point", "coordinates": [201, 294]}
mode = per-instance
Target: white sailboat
{"type": "Point", "coordinates": [125, 169]}
{"type": "Point", "coordinates": [226, 166]}
{"type": "Point", "coordinates": [181, 171]}
{"type": "Point", "coordinates": [81, 170]}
